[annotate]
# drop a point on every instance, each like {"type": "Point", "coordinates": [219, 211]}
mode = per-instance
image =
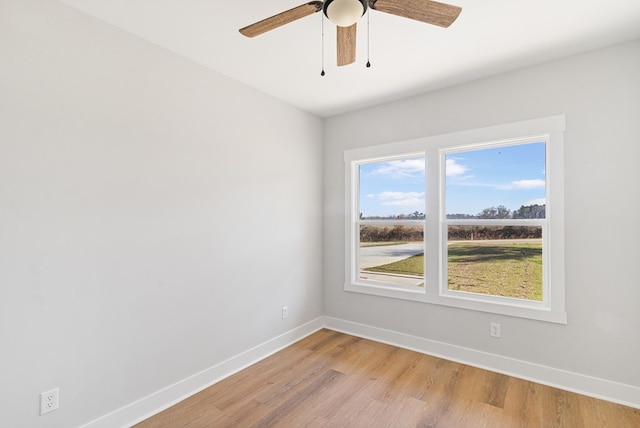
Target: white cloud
{"type": "Point", "coordinates": [523, 184]}
{"type": "Point", "coordinates": [403, 199]}
{"type": "Point", "coordinates": [401, 168]}
{"type": "Point", "coordinates": [455, 169]}
{"type": "Point", "coordinates": [528, 184]}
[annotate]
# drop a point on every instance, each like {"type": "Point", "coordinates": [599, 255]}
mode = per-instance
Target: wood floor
{"type": "Point", "coordinates": [331, 379]}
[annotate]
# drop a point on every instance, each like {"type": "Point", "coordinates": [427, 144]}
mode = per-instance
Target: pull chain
{"type": "Point", "coordinates": [368, 37]}
{"type": "Point", "coordinates": [322, 20]}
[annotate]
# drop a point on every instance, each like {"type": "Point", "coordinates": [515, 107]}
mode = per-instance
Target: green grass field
{"type": "Point", "coordinates": [509, 269]}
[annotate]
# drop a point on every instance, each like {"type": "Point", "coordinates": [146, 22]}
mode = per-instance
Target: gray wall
{"type": "Point", "coordinates": [600, 94]}
{"type": "Point", "coordinates": [154, 216]}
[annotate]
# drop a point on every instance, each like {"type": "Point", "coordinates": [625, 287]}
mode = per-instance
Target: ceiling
{"type": "Point", "coordinates": [407, 57]}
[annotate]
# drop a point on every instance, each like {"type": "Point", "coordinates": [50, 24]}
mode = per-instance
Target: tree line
{"type": "Point", "coordinates": [501, 212]}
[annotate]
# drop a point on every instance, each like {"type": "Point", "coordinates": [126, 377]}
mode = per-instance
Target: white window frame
{"type": "Point", "coordinates": [549, 129]}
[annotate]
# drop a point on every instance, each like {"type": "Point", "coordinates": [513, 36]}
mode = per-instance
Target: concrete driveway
{"type": "Point", "coordinates": [382, 255]}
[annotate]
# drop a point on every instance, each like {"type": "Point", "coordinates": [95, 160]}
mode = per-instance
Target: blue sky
{"type": "Point", "coordinates": [509, 175]}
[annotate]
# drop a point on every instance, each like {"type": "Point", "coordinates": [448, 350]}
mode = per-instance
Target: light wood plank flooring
{"type": "Point", "coordinates": [330, 379]}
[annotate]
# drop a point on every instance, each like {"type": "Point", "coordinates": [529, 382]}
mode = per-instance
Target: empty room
{"type": "Point", "coordinates": [346, 213]}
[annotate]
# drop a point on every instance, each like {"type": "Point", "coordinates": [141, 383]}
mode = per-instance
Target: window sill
{"type": "Point", "coordinates": [419, 294]}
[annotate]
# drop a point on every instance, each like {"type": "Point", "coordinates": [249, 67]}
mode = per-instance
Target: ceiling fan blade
{"type": "Point", "coordinates": [347, 45]}
{"type": "Point", "coordinates": [431, 12]}
{"type": "Point", "coordinates": [282, 19]}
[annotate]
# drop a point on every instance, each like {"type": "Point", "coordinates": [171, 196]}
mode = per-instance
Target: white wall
{"type": "Point", "coordinates": [600, 94]}
{"type": "Point", "coordinates": [154, 216]}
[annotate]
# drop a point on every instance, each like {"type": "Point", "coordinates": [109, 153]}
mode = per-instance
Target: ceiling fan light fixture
{"type": "Point", "coordinates": [344, 13]}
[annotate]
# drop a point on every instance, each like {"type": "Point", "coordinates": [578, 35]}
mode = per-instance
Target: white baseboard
{"type": "Point", "coordinates": [172, 394]}
{"type": "Point", "coordinates": [620, 393]}
{"type": "Point", "coordinates": [152, 404]}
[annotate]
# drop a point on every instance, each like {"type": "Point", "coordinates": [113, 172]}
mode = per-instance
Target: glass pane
{"type": "Point", "coordinates": [497, 260]}
{"type": "Point", "coordinates": [393, 254]}
{"type": "Point", "coordinates": [392, 189]}
{"type": "Point", "coordinates": [496, 183]}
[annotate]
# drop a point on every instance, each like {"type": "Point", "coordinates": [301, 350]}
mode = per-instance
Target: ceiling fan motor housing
{"type": "Point", "coordinates": [344, 13]}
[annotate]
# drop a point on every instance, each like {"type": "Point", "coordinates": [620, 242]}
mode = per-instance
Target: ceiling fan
{"type": "Point", "coordinates": [346, 13]}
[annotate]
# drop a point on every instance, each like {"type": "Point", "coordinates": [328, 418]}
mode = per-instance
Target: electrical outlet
{"type": "Point", "coordinates": [285, 312]}
{"type": "Point", "coordinates": [494, 330]}
{"type": "Point", "coordinates": [49, 401]}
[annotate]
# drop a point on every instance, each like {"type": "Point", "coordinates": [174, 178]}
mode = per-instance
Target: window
{"type": "Point", "coordinates": [390, 225]}
{"type": "Point", "coordinates": [472, 220]}
{"type": "Point", "coordinates": [495, 220]}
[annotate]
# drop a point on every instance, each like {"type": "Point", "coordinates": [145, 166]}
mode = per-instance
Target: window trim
{"type": "Point", "coordinates": [552, 130]}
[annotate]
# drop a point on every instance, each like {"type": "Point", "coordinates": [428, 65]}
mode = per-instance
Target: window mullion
{"type": "Point", "coordinates": [433, 236]}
